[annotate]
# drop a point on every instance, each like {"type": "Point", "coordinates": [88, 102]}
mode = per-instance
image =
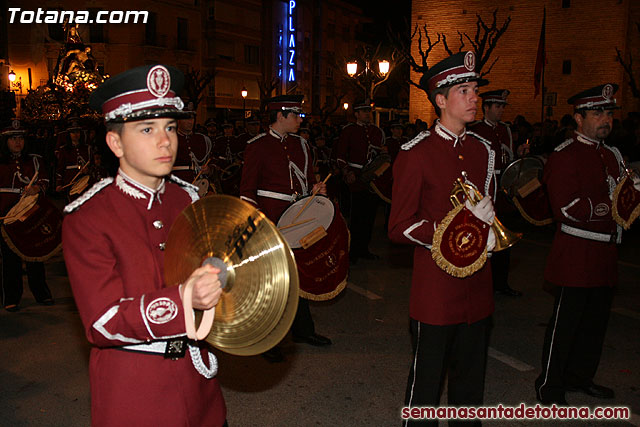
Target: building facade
{"type": "Point", "coordinates": [581, 37]}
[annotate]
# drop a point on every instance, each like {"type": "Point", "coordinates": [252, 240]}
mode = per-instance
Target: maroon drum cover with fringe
{"type": "Point", "coordinates": [323, 266]}
{"type": "Point", "coordinates": [38, 234]}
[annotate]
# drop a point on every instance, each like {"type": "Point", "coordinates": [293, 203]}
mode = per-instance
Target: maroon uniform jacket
{"type": "Point", "coordinates": [113, 239]}
{"type": "Point", "coordinates": [15, 175]}
{"type": "Point", "coordinates": [277, 169]}
{"type": "Point", "coordinates": [423, 177]}
{"type": "Point", "coordinates": [70, 160]}
{"type": "Point", "coordinates": [358, 144]}
{"type": "Point", "coordinates": [580, 177]}
{"type": "Point", "coordinates": [193, 152]}
{"type": "Point", "coordinates": [501, 141]}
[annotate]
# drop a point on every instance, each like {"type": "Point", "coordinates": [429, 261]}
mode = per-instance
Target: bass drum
{"type": "Point", "coordinates": [522, 182]}
{"type": "Point", "coordinates": [319, 238]}
{"type": "Point", "coordinates": [33, 229]}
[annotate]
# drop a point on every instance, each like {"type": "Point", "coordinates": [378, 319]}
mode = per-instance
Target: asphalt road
{"type": "Point", "coordinates": [360, 379]}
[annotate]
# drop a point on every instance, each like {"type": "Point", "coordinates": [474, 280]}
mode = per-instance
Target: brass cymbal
{"type": "Point", "coordinates": [260, 298]}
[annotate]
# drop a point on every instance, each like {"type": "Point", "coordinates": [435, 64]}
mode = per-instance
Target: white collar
{"type": "Point", "coordinates": [448, 135]}
{"type": "Point", "coordinates": [136, 190]}
{"type": "Point", "coordinates": [275, 133]}
{"type": "Point", "coordinates": [490, 123]}
{"type": "Point", "coordinates": [586, 140]}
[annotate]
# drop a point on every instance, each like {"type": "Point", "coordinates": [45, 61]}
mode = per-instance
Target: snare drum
{"type": "Point", "coordinates": [319, 238]}
{"type": "Point", "coordinates": [33, 228]}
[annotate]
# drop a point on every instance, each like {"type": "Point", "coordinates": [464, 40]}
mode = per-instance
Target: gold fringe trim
{"type": "Point", "coordinates": [328, 295]}
{"type": "Point", "coordinates": [527, 217]}
{"type": "Point", "coordinates": [441, 261]}
{"type": "Point", "coordinates": [13, 247]}
{"type": "Point", "coordinates": [379, 193]}
{"type": "Point", "coordinates": [614, 208]}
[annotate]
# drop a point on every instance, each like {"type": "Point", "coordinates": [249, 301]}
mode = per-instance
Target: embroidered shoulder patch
{"type": "Point", "coordinates": [161, 310]}
{"type": "Point", "coordinates": [419, 137]}
{"type": "Point", "coordinates": [480, 138]}
{"type": "Point", "coordinates": [564, 145]}
{"type": "Point", "coordinates": [258, 136]}
{"type": "Point", "coordinates": [87, 195]}
{"type": "Point", "coordinates": [189, 188]}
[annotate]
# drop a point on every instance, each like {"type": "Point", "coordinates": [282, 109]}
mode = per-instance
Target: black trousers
{"type": "Point", "coordinates": [500, 269]}
{"type": "Point", "coordinates": [459, 350]}
{"type": "Point", "coordinates": [362, 218]}
{"type": "Point", "coordinates": [573, 339]}
{"type": "Point", "coordinates": [303, 322]}
{"type": "Point", "coordinates": [12, 277]}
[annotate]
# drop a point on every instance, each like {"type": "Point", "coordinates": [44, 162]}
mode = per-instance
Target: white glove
{"type": "Point", "coordinates": [491, 241]}
{"type": "Point", "coordinates": [483, 210]}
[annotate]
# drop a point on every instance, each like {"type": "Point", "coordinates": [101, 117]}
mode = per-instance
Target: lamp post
{"type": "Point", "coordinates": [369, 78]}
{"type": "Point", "coordinates": [244, 94]}
{"type": "Point", "coordinates": [15, 85]}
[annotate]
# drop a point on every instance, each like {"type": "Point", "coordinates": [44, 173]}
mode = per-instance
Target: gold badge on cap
{"type": "Point", "coordinates": [470, 61]}
{"type": "Point", "coordinates": [505, 93]}
{"type": "Point", "coordinates": [158, 81]}
{"type": "Point", "coordinates": [607, 91]}
{"type": "Point", "coordinates": [15, 124]}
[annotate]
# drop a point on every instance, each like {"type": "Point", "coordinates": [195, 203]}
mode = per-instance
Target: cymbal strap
{"type": "Point", "coordinates": [189, 319]}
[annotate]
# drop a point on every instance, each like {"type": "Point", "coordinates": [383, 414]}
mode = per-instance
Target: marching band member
{"type": "Point", "coordinates": [359, 143]}
{"type": "Point", "coordinates": [193, 147]}
{"type": "Point", "coordinates": [499, 133]}
{"type": "Point", "coordinates": [142, 368]}
{"type": "Point", "coordinates": [72, 156]}
{"type": "Point", "coordinates": [450, 316]}
{"type": "Point", "coordinates": [16, 172]}
{"type": "Point", "coordinates": [580, 177]}
{"type": "Point", "coordinates": [278, 169]}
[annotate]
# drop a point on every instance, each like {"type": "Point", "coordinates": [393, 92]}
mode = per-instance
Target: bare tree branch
{"type": "Point", "coordinates": [628, 70]}
{"type": "Point", "coordinates": [195, 84]}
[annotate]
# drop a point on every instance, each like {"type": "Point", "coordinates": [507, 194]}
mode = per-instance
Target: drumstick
{"type": "Point", "coordinates": [310, 199]}
{"type": "Point", "coordinates": [296, 223]}
{"type": "Point", "coordinates": [200, 173]}
{"type": "Point", "coordinates": [74, 178]}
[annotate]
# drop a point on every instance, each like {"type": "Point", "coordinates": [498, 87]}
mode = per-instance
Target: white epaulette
{"type": "Point", "coordinates": [189, 188]}
{"type": "Point", "coordinates": [419, 137]}
{"type": "Point", "coordinates": [505, 124]}
{"type": "Point", "coordinates": [617, 155]}
{"type": "Point", "coordinates": [88, 194]}
{"type": "Point", "coordinates": [563, 145]}
{"type": "Point", "coordinates": [485, 141]}
{"type": "Point", "coordinates": [260, 135]}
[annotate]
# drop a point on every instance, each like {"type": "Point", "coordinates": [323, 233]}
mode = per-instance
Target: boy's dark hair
{"type": "Point", "coordinates": [114, 127]}
{"type": "Point", "coordinates": [444, 91]}
{"type": "Point", "coordinates": [273, 115]}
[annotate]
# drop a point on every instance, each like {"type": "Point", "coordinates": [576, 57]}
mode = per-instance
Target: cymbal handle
{"type": "Point", "coordinates": [220, 265]}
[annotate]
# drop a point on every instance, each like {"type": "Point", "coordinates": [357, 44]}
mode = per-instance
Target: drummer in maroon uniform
{"type": "Point", "coordinates": [450, 316]}
{"type": "Point", "coordinates": [360, 143]}
{"type": "Point", "coordinates": [278, 169]}
{"type": "Point", "coordinates": [72, 156]}
{"type": "Point", "coordinates": [16, 171]}
{"type": "Point", "coordinates": [580, 176]}
{"type": "Point", "coordinates": [142, 368]}
{"type": "Point", "coordinates": [491, 128]}
{"type": "Point", "coordinates": [193, 148]}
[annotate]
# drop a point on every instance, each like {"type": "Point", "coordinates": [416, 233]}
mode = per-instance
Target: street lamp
{"type": "Point", "coordinates": [368, 78]}
{"type": "Point", "coordinates": [244, 94]}
{"type": "Point", "coordinates": [15, 85]}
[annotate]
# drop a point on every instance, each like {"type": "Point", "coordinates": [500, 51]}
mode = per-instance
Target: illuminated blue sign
{"type": "Point", "coordinates": [291, 43]}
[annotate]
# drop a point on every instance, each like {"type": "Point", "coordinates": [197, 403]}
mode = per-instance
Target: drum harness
{"type": "Point", "coordinates": [294, 170]}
